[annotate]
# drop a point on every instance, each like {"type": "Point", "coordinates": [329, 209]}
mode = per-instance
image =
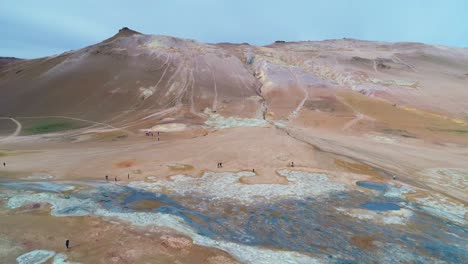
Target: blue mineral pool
{"type": "Point", "coordinates": [39, 186]}
{"type": "Point", "coordinates": [310, 226]}
{"type": "Point", "coordinates": [381, 206]}
{"type": "Point", "coordinates": [372, 185]}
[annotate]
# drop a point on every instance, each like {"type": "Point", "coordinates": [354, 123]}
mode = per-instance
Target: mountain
{"type": "Point", "coordinates": [336, 151]}
{"type": "Point", "coordinates": [7, 60]}
{"type": "Point", "coordinates": [135, 80]}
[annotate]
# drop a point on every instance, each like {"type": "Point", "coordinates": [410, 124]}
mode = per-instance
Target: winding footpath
{"type": "Point", "coordinates": [17, 131]}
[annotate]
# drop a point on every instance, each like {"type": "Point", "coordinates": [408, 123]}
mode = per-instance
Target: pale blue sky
{"type": "Point", "coordinates": [31, 29]}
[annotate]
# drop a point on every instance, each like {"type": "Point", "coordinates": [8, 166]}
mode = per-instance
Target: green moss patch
{"type": "Point", "coordinates": [33, 126]}
{"type": "Point", "coordinates": [49, 127]}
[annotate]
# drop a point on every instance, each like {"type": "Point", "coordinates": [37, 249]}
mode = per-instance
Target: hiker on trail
{"type": "Point", "coordinates": [220, 164]}
{"type": "Point", "coordinates": [292, 164]}
{"type": "Point", "coordinates": [158, 133]}
{"type": "Point", "coordinates": [158, 138]}
{"type": "Point", "coordinates": [67, 243]}
{"type": "Point", "coordinates": [253, 170]}
{"type": "Point", "coordinates": [107, 177]}
{"type": "Point", "coordinates": [115, 178]}
{"type": "Point", "coordinates": [128, 176]}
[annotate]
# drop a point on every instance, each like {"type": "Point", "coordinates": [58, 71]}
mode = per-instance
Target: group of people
{"type": "Point", "coordinates": [115, 178]}
{"type": "Point", "coordinates": [220, 165]}
{"type": "Point", "coordinates": [150, 133]}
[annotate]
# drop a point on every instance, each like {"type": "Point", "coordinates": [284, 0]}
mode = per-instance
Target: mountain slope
{"type": "Point", "coordinates": [132, 79]}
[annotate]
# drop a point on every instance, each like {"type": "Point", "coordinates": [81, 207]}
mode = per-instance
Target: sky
{"type": "Point", "coordinates": [32, 29]}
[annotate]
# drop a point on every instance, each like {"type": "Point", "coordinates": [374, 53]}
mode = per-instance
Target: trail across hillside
{"type": "Point", "coordinates": [72, 118]}
{"type": "Point", "coordinates": [17, 131]}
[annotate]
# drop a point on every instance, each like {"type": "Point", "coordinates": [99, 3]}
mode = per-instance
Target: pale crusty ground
{"type": "Point", "coordinates": [265, 149]}
{"type": "Point", "coordinates": [346, 157]}
{"type": "Point", "coordinates": [94, 240]}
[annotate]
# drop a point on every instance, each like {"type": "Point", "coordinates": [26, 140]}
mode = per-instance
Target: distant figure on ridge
{"type": "Point", "coordinates": [107, 177]}
{"type": "Point", "coordinates": [67, 244]}
{"type": "Point", "coordinates": [292, 163]}
{"type": "Point", "coordinates": [115, 178]}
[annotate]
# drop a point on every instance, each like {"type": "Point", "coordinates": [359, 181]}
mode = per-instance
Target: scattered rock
{"type": "Point", "coordinates": [176, 242]}
{"type": "Point", "coordinates": [382, 66]}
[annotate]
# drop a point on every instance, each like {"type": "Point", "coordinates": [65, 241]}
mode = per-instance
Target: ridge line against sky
{"type": "Point", "coordinates": [32, 29]}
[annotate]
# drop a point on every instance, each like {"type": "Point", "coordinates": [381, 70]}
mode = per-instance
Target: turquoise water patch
{"type": "Point", "coordinates": [310, 226]}
{"type": "Point", "coordinates": [43, 256]}
{"type": "Point", "coordinates": [35, 257]}
{"type": "Point", "coordinates": [372, 185]}
{"type": "Point", "coordinates": [381, 206]}
{"type": "Point", "coordinates": [38, 186]}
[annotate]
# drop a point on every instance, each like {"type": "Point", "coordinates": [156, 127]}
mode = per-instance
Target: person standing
{"type": "Point", "coordinates": [67, 244]}
{"type": "Point", "coordinates": [107, 177]}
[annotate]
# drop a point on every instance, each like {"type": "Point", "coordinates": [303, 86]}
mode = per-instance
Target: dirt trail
{"type": "Point", "coordinates": [354, 121]}
{"type": "Point", "coordinates": [296, 111]}
{"type": "Point", "coordinates": [72, 118]}
{"type": "Point", "coordinates": [388, 162]}
{"type": "Point", "coordinates": [17, 131]}
{"type": "Point", "coordinates": [215, 87]}
{"type": "Point", "coordinates": [359, 116]}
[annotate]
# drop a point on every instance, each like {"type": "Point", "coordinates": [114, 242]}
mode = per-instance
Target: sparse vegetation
{"type": "Point", "coordinates": [399, 132]}
{"type": "Point", "coordinates": [458, 131]}
{"type": "Point", "coordinates": [44, 125]}
{"type": "Point", "coordinates": [49, 126]}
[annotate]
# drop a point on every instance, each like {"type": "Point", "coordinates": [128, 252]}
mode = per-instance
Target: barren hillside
{"type": "Point", "coordinates": [134, 80]}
